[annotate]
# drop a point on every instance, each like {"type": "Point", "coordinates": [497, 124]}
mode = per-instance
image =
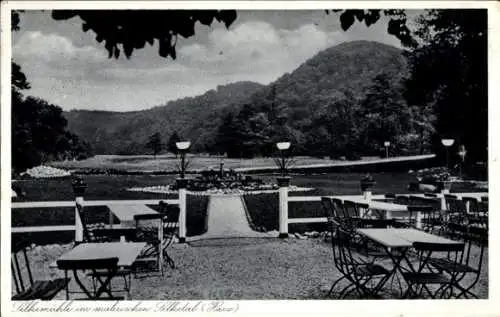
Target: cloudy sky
{"type": "Point", "coordinates": [69, 68]}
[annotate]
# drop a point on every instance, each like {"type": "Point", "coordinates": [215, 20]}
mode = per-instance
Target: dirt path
{"type": "Point", "coordinates": [227, 219]}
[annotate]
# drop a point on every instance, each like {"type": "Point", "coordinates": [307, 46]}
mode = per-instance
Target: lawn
{"type": "Point", "coordinates": [169, 163]}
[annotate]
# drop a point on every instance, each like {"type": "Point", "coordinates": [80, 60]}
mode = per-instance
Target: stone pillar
{"type": "Point", "coordinates": [79, 187]}
{"type": "Point", "coordinates": [181, 185]}
{"type": "Point", "coordinates": [283, 184]}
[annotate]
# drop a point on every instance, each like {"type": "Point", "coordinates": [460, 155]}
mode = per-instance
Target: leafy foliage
{"type": "Point", "coordinates": [154, 143]}
{"type": "Point", "coordinates": [174, 138]}
{"type": "Point", "coordinates": [128, 30]}
{"type": "Point", "coordinates": [39, 135]}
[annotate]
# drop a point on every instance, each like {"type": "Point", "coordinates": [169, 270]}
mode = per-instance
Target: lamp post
{"type": "Point", "coordinates": [181, 185]}
{"type": "Point", "coordinates": [447, 143]}
{"type": "Point", "coordinates": [387, 144]}
{"type": "Point", "coordinates": [183, 148]}
{"type": "Point", "coordinates": [462, 152]}
{"type": "Point", "coordinates": [283, 183]}
{"type": "Point", "coordinates": [282, 147]}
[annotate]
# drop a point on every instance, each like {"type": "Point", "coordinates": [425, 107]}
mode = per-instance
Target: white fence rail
{"type": "Point", "coordinates": [26, 206]}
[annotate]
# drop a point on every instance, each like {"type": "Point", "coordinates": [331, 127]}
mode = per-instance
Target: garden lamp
{"type": "Point", "coordinates": [283, 147]}
{"type": "Point", "coordinates": [183, 148]}
{"type": "Point", "coordinates": [387, 144]}
{"type": "Point", "coordinates": [462, 152]}
{"type": "Point", "coordinates": [447, 143]}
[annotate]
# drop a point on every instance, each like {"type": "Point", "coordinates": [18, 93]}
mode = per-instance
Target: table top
{"type": "Point", "coordinates": [377, 205]}
{"type": "Point", "coordinates": [127, 212]}
{"type": "Point", "coordinates": [402, 238]}
{"type": "Point", "coordinates": [126, 252]}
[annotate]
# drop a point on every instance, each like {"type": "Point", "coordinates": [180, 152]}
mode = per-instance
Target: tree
{"type": "Point", "coordinates": [449, 73]}
{"type": "Point", "coordinates": [154, 143]}
{"type": "Point", "coordinates": [172, 147]}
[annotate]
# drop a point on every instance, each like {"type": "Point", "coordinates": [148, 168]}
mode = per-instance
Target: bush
{"type": "Point", "coordinates": [263, 210]}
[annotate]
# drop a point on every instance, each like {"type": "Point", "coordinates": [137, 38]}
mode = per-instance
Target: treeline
{"type": "Point", "coordinates": [439, 92]}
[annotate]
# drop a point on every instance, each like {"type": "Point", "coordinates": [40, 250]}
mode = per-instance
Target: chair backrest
{"type": "Point", "coordinates": [420, 208]}
{"type": "Point", "coordinates": [390, 196]}
{"type": "Point", "coordinates": [455, 205]}
{"type": "Point", "coordinates": [17, 247]}
{"type": "Point", "coordinates": [327, 207]}
{"type": "Point", "coordinates": [402, 200]}
{"type": "Point", "coordinates": [88, 264]}
{"type": "Point", "coordinates": [483, 207]}
{"type": "Point", "coordinates": [149, 227]}
{"type": "Point", "coordinates": [425, 250]}
{"type": "Point", "coordinates": [472, 203]}
{"type": "Point", "coordinates": [351, 209]}
{"type": "Point", "coordinates": [87, 237]}
{"type": "Point", "coordinates": [170, 216]}
{"type": "Point", "coordinates": [435, 203]}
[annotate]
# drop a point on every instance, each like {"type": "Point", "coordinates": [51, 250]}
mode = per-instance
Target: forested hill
{"type": "Point", "coordinates": [128, 132]}
{"type": "Point", "coordinates": [346, 99]}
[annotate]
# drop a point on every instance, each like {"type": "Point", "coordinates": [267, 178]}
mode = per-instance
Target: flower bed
{"type": "Point", "coordinates": [45, 172]}
{"type": "Point", "coordinates": [215, 191]}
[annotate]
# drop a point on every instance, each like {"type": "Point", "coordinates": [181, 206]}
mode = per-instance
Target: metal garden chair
{"type": "Point", "coordinates": [455, 216]}
{"type": "Point", "coordinates": [365, 277]}
{"type": "Point", "coordinates": [418, 279]}
{"type": "Point", "coordinates": [105, 234]}
{"type": "Point", "coordinates": [170, 226]}
{"type": "Point", "coordinates": [477, 213]}
{"type": "Point", "coordinates": [469, 264]}
{"type": "Point", "coordinates": [149, 229]}
{"type": "Point", "coordinates": [35, 289]}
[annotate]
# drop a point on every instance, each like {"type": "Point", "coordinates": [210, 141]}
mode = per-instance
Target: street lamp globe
{"type": "Point", "coordinates": [387, 143]}
{"type": "Point", "coordinates": [447, 142]}
{"type": "Point", "coordinates": [184, 145]}
{"type": "Point", "coordinates": [282, 146]}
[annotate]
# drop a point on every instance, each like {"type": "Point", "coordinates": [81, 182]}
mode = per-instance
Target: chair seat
{"type": "Point", "coordinates": [370, 270]}
{"type": "Point", "coordinates": [450, 266]}
{"type": "Point", "coordinates": [425, 278]}
{"type": "Point", "coordinates": [44, 290]}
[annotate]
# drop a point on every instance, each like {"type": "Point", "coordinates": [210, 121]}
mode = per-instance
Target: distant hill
{"type": "Point", "coordinates": [127, 132]}
{"type": "Point", "coordinates": [293, 103]}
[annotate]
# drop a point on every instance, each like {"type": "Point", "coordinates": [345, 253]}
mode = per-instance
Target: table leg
{"type": "Point", "coordinates": [396, 260]}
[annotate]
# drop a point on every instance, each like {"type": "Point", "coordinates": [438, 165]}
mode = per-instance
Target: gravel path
{"type": "Point", "coordinates": [227, 219]}
{"type": "Point", "coordinates": [236, 269]}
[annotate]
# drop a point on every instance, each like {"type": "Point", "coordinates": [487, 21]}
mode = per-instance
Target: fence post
{"type": "Point", "coordinates": [283, 184]}
{"type": "Point", "coordinates": [79, 187]}
{"type": "Point", "coordinates": [181, 185]}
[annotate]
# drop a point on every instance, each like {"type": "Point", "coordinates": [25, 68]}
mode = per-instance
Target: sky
{"type": "Point", "coordinates": [68, 68]}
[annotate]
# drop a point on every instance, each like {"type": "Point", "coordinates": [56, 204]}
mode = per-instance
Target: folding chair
{"type": "Point", "coordinates": [103, 270]}
{"type": "Point", "coordinates": [170, 225]}
{"type": "Point", "coordinates": [353, 210]}
{"type": "Point", "coordinates": [477, 213]}
{"type": "Point", "coordinates": [419, 279]}
{"type": "Point", "coordinates": [44, 290]}
{"type": "Point", "coordinates": [360, 274]}
{"type": "Point", "coordinates": [456, 216]}
{"type": "Point", "coordinates": [105, 234]}
{"type": "Point", "coordinates": [149, 229]}
{"type": "Point", "coordinates": [467, 265]}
